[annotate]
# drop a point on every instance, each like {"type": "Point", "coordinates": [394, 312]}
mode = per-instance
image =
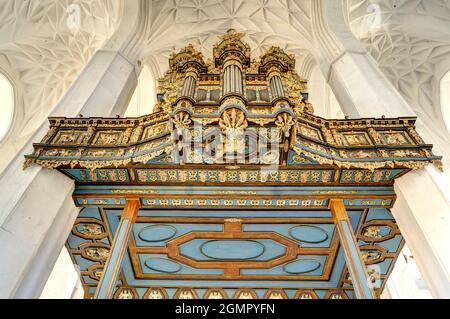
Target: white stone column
{"type": "Point", "coordinates": [64, 281]}
{"type": "Point", "coordinates": [37, 210]}
{"type": "Point", "coordinates": [422, 210]}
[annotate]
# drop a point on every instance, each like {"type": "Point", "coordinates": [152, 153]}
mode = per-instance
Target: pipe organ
{"type": "Point", "coordinates": [232, 80]}
{"type": "Point", "coordinates": [276, 86]}
{"type": "Point", "coordinates": [189, 86]}
{"type": "Point", "coordinates": [261, 198]}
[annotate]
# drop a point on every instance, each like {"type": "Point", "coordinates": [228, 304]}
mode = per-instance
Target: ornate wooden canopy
{"type": "Point", "coordinates": [252, 167]}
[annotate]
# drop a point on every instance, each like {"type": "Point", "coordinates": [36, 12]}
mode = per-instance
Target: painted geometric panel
{"type": "Point", "coordinates": [199, 254]}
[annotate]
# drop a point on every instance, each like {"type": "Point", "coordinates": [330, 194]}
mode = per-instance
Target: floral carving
{"type": "Point", "coordinates": [182, 120]}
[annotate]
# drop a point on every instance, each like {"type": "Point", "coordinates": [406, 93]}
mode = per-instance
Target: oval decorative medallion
{"type": "Point", "coordinates": [163, 265]}
{"type": "Point", "coordinates": [308, 234]}
{"type": "Point", "coordinates": [301, 266]}
{"type": "Point", "coordinates": [157, 233]}
{"type": "Point", "coordinates": [232, 249]}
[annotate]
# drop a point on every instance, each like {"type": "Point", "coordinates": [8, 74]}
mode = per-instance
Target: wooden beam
{"type": "Point", "coordinates": [357, 268]}
{"type": "Point", "coordinates": [106, 286]}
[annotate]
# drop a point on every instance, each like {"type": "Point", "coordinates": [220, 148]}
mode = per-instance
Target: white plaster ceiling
{"type": "Point", "coordinates": [175, 23]}
{"type": "Point", "coordinates": [410, 41]}
{"type": "Point", "coordinates": [47, 56]}
{"type": "Point", "coordinates": [46, 53]}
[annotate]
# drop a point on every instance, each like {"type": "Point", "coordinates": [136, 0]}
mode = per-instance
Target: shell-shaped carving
{"type": "Point", "coordinates": [182, 120]}
{"type": "Point", "coordinates": [125, 293]}
{"type": "Point", "coordinates": [185, 293]}
{"type": "Point", "coordinates": [155, 293]}
{"type": "Point", "coordinates": [245, 294]}
{"type": "Point", "coordinates": [233, 119]}
{"type": "Point", "coordinates": [285, 122]}
{"type": "Point", "coordinates": [215, 294]}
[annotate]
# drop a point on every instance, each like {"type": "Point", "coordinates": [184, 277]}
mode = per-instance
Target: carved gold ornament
{"type": "Point", "coordinates": [97, 253]}
{"type": "Point", "coordinates": [233, 119]}
{"type": "Point", "coordinates": [285, 122]}
{"type": "Point", "coordinates": [182, 120]}
{"type": "Point", "coordinates": [96, 143]}
{"type": "Point", "coordinates": [372, 232]}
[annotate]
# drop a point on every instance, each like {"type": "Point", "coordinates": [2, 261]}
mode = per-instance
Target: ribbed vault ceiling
{"type": "Point", "coordinates": [46, 56]}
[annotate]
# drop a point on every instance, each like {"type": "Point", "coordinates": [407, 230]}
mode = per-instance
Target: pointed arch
{"type": "Point", "coordinates": [445, 98]}
{"type": "Point", "coordinates": [7, 103]}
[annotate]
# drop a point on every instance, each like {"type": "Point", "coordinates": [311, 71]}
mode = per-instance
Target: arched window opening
{"type": "Point", "coordinates": [6, 105]}
{"type": "Point", "coordinates": [445, 99]}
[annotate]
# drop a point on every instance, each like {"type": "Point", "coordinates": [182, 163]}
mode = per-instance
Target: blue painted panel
{"type": "Point", "coordinates": [266, 190]}
{"type": "Point", "coordinates": [354, 217]}
{"type": "Point", "coordinates": [383, 266]}
{"type": "Point", "coordinates": [309, 234]}
{"type": "Point", "coordinates": [171, 292]}
{"type": "Point", "coordinates": [162, 159]}
{"type": "Point", "coordinates": [321, 293]}
{"type": "Point", "coordinates": [392, 245]}
{"type": "Point", "coordinates": [88, 280]}
{"type": "Point", "coordinates": [75, 241]}
{"type": "Point", "coordinates": [307, 265]}
{"type": "Point", "coordinates": [291, 230]}
{"type": "Point", "coordinates": [83, 263]}
{"type": "Point", "coordinates": [142, 229]}
{"type": "Point", "coordinates": [378, 213]}
{"type": "Point", "coordinates": [232, 249]}
{"type": "Point", "coordinates": [299, 159]}
{"type": "Point", "coordinates": [141, 292]}
{"type": "Point", "coordinates": [161, 264]}
{"type": "Point", "coordinates": [230, 292]}
{"type": "Point", "coordinates": [260, 293]}
{"type": "Point", "coordinates": [75, 173]}
{"type": "Point", "coordinates": [232, 214]}
{"type": "Point", "coordinates": [200, 292]}
{"type": "Point", "coordinates": [257, 250]}
{"type": "Point", "coordinates": [302, 266]}
{"type": "Point", "coordinates": [157, 233]}
{"type": "Point", "coordinates": [290, 293]}
{"type": "Point", "coordinates": [113, 219]}
{"type": "Point", "coordinates": [395, 172]}
{"type": "Point", "coordinates": [104, 240]}
{"type": "Point", "coordinates": [331, 283]}
{"type": "Point", "coordinates": [90, 212]}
